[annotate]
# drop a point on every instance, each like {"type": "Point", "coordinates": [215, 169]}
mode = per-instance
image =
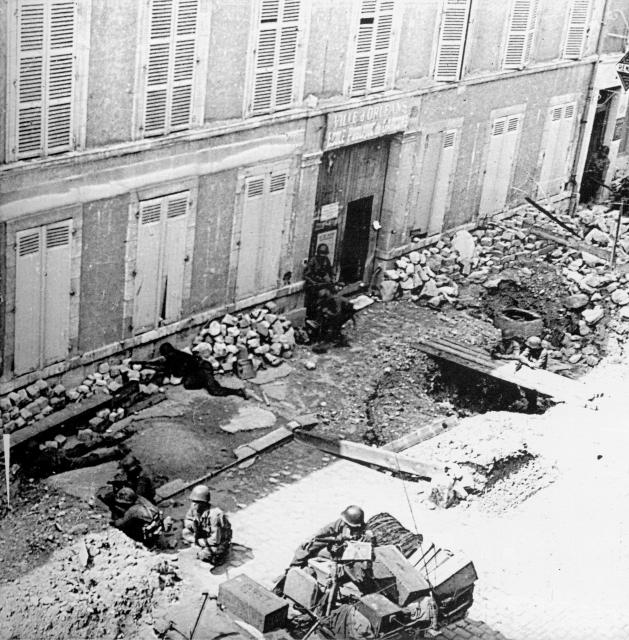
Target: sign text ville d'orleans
{"type": "Point", "coordinates": [364, 123]}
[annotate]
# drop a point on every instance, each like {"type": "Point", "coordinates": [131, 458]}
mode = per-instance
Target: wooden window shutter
{"type": "Point", "coordinates": [46, 72]}
{"type": "Point", "coordinates": [28, 301]}
{"type": "Point", "coordinates": [372, 55]}
{"type": "Point", "coordinates": [521, 34]}
{"type": "Point", "coordinates": [171, 61]}
{"type": "Point", "coordinates": [56, 325]}
{"type": "Point", "coordinates": [174, 257]}
{"type": "Point", "coordinates": [451, 44]}
{"type": "Point", "coordinates": [276, 56]}
{"type": "Point", "coordinates": [577, 29]}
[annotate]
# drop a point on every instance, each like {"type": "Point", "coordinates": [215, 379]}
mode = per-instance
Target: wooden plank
{"type": "Point", "coordinates": [274, 438]}
{"type": "Point", "coordinates": [56, 420]}
{"type": "Point", "coordinates": [545, 382]}
{"type": "Point", "coordinates": [356, 452]}
{"type": "Point", "coordinates": [458, 349]}
{"type": "Point", "coordinates": [468, 347]}
{"type": "Point", "coordinates": [599, 252]}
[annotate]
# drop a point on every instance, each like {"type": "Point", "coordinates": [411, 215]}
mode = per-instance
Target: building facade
{"type": "Point", "coordinates": [165, 161]}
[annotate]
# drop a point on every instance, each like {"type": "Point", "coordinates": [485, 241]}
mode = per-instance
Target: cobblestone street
{"type": "Point", "coordinates": [553, 568]}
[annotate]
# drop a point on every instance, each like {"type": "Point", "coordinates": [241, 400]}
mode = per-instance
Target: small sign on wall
{"type": "Point", "coordinates": [620, 122]}
{"type": "Point", "coordinates": [329, 212]}
{"type": "Point", "coordinates": [327, 237]}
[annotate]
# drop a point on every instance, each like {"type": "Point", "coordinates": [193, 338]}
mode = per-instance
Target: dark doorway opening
{"type": "Point", "coordinates": [356, 240]}
{"type": "Point", "coordinates": [595, 168]}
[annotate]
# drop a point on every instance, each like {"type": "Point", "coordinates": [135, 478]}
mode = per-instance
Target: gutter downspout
{"type": "Point", "coordinates": [574, 193]}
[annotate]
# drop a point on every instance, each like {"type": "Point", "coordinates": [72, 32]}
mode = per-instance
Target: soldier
{"type": "Point", "coordinates": [318, 275]}
{"type": "Point", "coordinates": [534, 356]}
{"type": "Point", "coordinates": [327, 541]}
{"type": "Point", "coordinates": [136, 479]}
{"type": "Point", "coordinates": [141, 520]}
{"type": "Point", "coordinates": [207, 528]}
{"type": "Point", "coordinates": [195, 372]}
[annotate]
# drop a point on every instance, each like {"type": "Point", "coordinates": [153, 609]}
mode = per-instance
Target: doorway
{"type": "Point", "coordinates": [356, 239]}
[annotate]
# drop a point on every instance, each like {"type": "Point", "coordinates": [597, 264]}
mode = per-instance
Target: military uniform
{"type": "Point", "coordinates": [210, 531]}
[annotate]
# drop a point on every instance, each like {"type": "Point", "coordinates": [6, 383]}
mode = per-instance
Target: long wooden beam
{"type": "Point", "coordinates": [599, 252]}
{"type": "Point", "coordinates": [357, 452]}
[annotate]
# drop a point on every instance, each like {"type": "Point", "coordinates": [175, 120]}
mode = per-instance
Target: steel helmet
{"type": "Point", "coordinates": [534, 342]}
{"type": "Point", "coordinates": [200, 493]}
{"type": "Point", "coordinates": [130, 462]}
{"type": "Point", "coordinates": [126, 496]}
{"type": "Point", "coordinates": [353, 516]}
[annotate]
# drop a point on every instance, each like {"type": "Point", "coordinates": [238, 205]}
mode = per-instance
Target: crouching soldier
{"type": "Point", "coordinates": [141, 520]}
{"type": "Point", "coordinates": [207, 528]}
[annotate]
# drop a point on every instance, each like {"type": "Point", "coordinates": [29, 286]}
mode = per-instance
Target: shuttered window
{"type": "Point", "coordinates": [275, 82]}
{"type": "Point", "coordinates": [160, 262]}
{"type": "Point", "coordinates": [43, 64]}
{"type": "Point", "coordinates": [557, 143]}
{"type": "Point", "coordinates": [42, 296]}
{"type": "Point", "coordinates": [170, 66]}
{"type": "Point", "coordinates": [260, 245]}
{"type": "Point", "coordinates": [451, 43]}
{"type": "Point", "coordinates": [373, 51]}
{"type": "Point", "coordinates": [438, 164]}
{"type": "Point", "coordinates": [577, 29]}
{"type": "Point", "coordinates": [500, 161]}
{"type": "Point", "coordinates": [521, 34]}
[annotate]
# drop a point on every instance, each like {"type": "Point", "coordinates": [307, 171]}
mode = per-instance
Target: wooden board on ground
{"type": "Point", "coordinates": [356, 452]}
{"type": "Point", "coordinates": [549, 384]}
{"type": "Point", "coordinates": [573, 243]}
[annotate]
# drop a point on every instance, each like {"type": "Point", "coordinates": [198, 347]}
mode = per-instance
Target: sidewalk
{"type": "Point", "coordinates": [553, 568]}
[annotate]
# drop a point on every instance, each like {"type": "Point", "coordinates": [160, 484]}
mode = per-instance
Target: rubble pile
{"type": "Point", "coordinates": [36, 401]}
{"type": "Point", "coordinates": [488, 457]}
{"type": "Point", "coordinates": [100, 587]}
{"type": "Point", "coordinates": [261, 336]}
{"type": "Point", "coordinates": [593, 313]}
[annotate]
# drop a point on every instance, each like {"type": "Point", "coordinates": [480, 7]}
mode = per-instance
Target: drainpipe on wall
{"type": "Point", "coordinates": [574, 193]}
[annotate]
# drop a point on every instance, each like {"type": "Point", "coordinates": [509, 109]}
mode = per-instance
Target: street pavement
{"type": "Point", "coordinates": [553, 568]}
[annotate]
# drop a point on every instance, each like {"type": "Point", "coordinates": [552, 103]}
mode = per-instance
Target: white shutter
{"type": "Point", "coordinates": [521, 33]}
{"type": "Point", "coordinates": [174, 257]}
{"type": "Point", "coordinates": [45, 77]}
{"type": "Point", "coordinates": [28, 301]}
{"type": "Point", "coordinates": [442, 182]}
{"type": "Point", "coordinates": [147, 269]}
{"type": "Point", "coordinates": [60, 72]}
{"type": "Point", "coordinates": [42, 296]}
{"type": "Point", "coordinates": [577, 29]}
{"type": "Point", "coordinates": [271, 237]}
{"type": "Point", "coordinates": [550, 146]}
{"type": "Point", "coordinates": [372, 54]}
{"type": "Point", "coordinates": [428, 179]}
{"type": "Point", "coordinates": [250, 234]}
{"type": "Point", "coordinates": [171, 61]}
{"type": "Point", "coordinates": [500, 158]}
{"type": "Point", "coordinates": [57, 277]}
{"type": "Point", "coordinates": [276, 56]}
{"type": "Point", "coordinates": [451, 44]}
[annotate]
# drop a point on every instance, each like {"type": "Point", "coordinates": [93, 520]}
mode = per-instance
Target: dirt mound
{"type": "Point", "coordinates": [103, 586]}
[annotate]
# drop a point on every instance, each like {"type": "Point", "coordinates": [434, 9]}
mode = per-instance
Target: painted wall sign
{"type": "Point", "coordinates": [329, 211]}
{"type": "Point", "coordinates": [364, 123]}
{"type": "Point", "coordinates": [622, 69]}
{"type": "Point", "coordinates": [328, 237]}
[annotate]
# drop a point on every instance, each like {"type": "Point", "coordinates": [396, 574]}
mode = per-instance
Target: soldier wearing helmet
{"type": "Point", "coordinates": [141, 520]}
{"type": "Point", "coordinates": [535, 356]}
{"type": "Point", "coordinates": [207, 528]}
{"type": "Point", "coordinates": [349, 526]}
{"type": "Point", "coordinates": [136, 478]}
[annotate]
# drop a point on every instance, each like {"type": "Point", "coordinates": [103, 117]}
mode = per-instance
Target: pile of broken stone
{"type": "Point", "coordinates": [598, 293]}
{"type": "Point", "coordinates": [261, 336]}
